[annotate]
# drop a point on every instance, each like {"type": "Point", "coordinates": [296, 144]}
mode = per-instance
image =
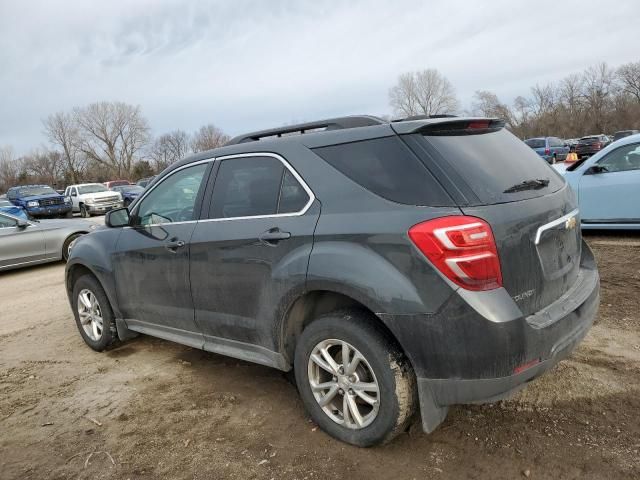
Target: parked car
{"type": "Point", "coordinates": [40, 201]}
{"type": "Point", "coordinates": [624, 133]}
{"type": "Point", "coordinates": [29, 242]}
{"type": "Point", "coordinates": [7, 207]}
{"type": "Point", "coordinates": [393, 266]}
{"type": "Point", "coordinates": [552, 149]}
{"type": "Point", "coordinates": [92, 198]}
{"type": "Point", "coordinates": [116, 183]}
{"type": "Point", "coordinates": [591, 144]}
{"type": "Point", "coordinates": [143, 182]}
{"type": "Point", "coordinates": [129, 193]}
{"type": "Point", "coordinates": [608, 186]}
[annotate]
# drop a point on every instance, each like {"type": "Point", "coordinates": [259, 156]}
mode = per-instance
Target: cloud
{"type": "Point", "coordinates": [250, 64]}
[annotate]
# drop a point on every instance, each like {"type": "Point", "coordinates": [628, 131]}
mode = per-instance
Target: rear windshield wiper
{"type": "Point", "coordinates": [534, 184]}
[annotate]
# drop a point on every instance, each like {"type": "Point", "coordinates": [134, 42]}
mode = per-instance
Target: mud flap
{"type": "Point", "coordinates": [123, 332]}
{"type": "Point", "coordinates": [432, 413]}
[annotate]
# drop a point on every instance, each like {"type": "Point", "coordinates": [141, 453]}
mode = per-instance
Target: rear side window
{"type": "Point", "coordinates": [386, 167]}
{"type": "Point", "coordinates": [535, 142]}
{"type": "Point", "coordinates": [255, 186]}
{"type": "Point", "coordinates": [497, 166]}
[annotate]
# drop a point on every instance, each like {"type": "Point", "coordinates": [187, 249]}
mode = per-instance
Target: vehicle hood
{"type": "Point", "coordinates": [31, 198]}
{"type": "Point", "coordinates": [99, 195]}
{"type": "Point", "coordinates": [15, 211]}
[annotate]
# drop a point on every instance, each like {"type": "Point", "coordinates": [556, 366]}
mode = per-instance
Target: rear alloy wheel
{"type": "Point", "coordinates": [354, 381]}
{"type": "Point", "coordinates": [93, 314]}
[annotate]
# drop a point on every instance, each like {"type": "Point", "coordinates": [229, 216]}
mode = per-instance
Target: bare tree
{"type": "Point", "coordinates": [629, 75]}
{"type": "Point", "coordinates": [9, 168]}
{"type": "Point", "coordinates": [487, 104]}
{"type": "Point", "coordinates": [207, 138]}
{"type": "Point", "coordinates": [598, 88]}
{"type": "Point", "coordinates": [62, 131]}
{"type": "Point", "coordinates": [169, 148]}
{"type": "Point", "coordinates": [112, 134]}
{"type": "Point", "coordinates": [44, 166]}
{"type": "Point", "coordinates": [426, 92]}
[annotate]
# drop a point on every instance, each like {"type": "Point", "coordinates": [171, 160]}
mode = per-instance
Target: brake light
{"type": "Point", "coordinates": [597, 145]}
{"type": "Point", "coordinates": [547, 151]}
{"type": "Point", "coordinates": [462, 248]}
{"type": "Point", "coordinates": [478, 124]}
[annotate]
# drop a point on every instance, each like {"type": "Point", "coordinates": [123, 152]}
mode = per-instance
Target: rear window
{"type": "Point", "coordinates": [497, 167]}
{"type": "Point", "coordinates": [388, 168]}
{"type": "Point", "coordinates": [535, 142]}
{"type": "Point", "coordinates": [589, 139]}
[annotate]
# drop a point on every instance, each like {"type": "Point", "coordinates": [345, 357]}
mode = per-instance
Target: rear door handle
{"type": "Point", "coordinates": [272, 236]}
{"type": "Point", "coordinates": [173, 246]}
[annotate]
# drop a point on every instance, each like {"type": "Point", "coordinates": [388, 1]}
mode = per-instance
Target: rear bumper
{"type": "Point", "coordinates": [474, 357]}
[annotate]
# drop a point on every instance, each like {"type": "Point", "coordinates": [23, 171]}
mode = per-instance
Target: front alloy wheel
{"type": "Point", "coordinates": [90, 314]}
{"type": "Point", "coordinates": [344, 384]}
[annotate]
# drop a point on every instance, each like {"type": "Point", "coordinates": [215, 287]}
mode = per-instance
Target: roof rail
{"type": "Point", "coordinates": [338, 123]}
{"type": "Point", "coordinates": [424, 117]}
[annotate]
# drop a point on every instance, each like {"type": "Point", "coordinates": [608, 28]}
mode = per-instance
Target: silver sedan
{"type": "Point", "coordinates": [29, 242]}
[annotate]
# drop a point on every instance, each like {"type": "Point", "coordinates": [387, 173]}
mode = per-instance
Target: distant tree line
{"type": "Point", "coordinates": [109, 140]}
{"type": "Point", "coordinates": [102, 141]}
{"type": "Point", "coordinates": [598, 100]}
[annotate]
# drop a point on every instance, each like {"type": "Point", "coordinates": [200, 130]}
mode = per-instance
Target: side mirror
{"type": "Point", "coordinates": [22, 224]}
{"type": "Point", "coordinates": [117, 218]}
{"type": "Point", "coordinates": [595, 170]}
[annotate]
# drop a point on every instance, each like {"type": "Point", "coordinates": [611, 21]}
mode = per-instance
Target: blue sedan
{"type": "Point", "coordinates": [129, 193]}
{"type": "Point", "coordinates": [608, 186]}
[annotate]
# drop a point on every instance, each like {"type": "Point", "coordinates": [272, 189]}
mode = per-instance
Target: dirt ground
{"type": "Point", "coordinates": [153, 409]}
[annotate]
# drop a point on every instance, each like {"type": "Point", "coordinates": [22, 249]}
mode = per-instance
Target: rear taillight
{"type": "Point", "coordinates": [597, 145]}
{"type": "Point", "coordinates": [462, 248]}
{"type": "Point", "coordinates": [547, 151]}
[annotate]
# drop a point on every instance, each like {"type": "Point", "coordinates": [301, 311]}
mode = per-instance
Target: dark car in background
{"type": "Point", "coordinates": [552, 149]}
{"type": "Point", "coordinates": [392, 266]}
{"type": "Point", "coordinates": [591, 144]}
{"type": "Point", "coordinates": [143, 182]}
{"type": "Point", "coordinates": [116, 183]}
{"type": "Point", "coordinates": [129, 193]}
{"type": "Point", "coordinates": [40, 201]}
{"type": "Point", "coordinates": [624, 133]}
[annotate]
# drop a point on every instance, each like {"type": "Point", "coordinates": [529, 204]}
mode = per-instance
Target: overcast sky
{"type": "Point", "coordinates": [244, 65]}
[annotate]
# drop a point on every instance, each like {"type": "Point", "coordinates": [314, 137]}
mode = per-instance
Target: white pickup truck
{"type": "Point", "coordinates": [92, 198]}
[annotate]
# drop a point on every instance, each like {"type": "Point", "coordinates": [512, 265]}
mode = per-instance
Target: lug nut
{"type": "Point", "coordinates": [350, 392]}
{"type": "Point", "coordinates": [341, 370]}
{"type": "Point", "coordinates": [341, 392]}
{"type": "Point", "coordinates": [334, 379]}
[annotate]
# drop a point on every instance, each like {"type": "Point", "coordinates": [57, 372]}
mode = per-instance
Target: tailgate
{"type": "Point", "coordinates": [539, 243]}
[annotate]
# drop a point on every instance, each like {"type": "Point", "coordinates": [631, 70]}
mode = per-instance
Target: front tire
{"type": "Point", "coordinates": [84, 212]}
{"type": "Point", "coordinates": [366, 399]}
{"type": "Point", "coordinates": [93, 314]}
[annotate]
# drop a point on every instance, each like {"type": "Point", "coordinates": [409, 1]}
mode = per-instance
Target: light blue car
{"type": "Point", "coordinates": [608, 186]}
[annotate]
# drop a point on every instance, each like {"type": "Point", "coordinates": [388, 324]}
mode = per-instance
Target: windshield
{"type": "Point", "coordinates": [92, 188]}
{"type": "Point", "coordinates": [37, 190]}
{"type": "Point", "coordinates": [535, 142]}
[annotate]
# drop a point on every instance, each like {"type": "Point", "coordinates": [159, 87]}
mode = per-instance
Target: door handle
{"type": "Point", "coordinates": [174, 245]}
{"type": "Point", "coordinates": [272, 236]}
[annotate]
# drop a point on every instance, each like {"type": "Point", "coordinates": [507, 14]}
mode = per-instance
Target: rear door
{"type": "Point", "coordinates": [151, 260]}
{"type": "Point", "coordinates": [251, 251]}
{"type": "Point", "coordinates": [533, 214]}
{"type": "Point", "coordinates": [20, 245]}
{"type": "Point", "coordinates": [613, 195]}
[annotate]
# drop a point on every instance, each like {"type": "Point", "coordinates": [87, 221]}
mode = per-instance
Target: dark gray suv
{"type": "Point", "coordinates": [425, 262]}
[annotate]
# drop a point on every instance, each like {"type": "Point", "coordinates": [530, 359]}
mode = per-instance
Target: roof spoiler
{"type": "Point", "coordinates": [449, 126]}
{"type": "Point", "coordinates": [338, 123]}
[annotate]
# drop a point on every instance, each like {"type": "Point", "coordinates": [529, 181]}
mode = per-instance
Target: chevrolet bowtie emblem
{"type": "Point", "coordinates": [570, 224]}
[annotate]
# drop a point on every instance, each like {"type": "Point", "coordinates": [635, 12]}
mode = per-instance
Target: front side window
{"type": "Point", "coordinates": [255, 186]}
{"type": "Point", "coordinates": [174, 199]}
{"type": "Point", "coordinates": [6, 222]}
{"type": "Point", "coordinates": [622, 159]}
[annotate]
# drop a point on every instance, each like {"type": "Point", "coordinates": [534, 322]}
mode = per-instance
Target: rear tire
{"type": "Point", "coordinates": [84, 212]}
{"type": "Point", "coordinates": [93, 308]}
{"type": "Point", "coordinates": [384, 408]}
{"type": "Point", "coordinates": [67, 244]}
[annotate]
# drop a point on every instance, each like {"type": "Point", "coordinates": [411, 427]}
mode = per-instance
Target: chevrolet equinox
{"type": "Point", "coordinates": [394, 266]}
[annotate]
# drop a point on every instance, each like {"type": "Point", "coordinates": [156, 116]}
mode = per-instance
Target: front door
{"type": "Point", "coordinates": [151, 263]}
{"type": "Point", "coordinates": [613, 195]}
{"type": "Point", "coordinates": [20, 245]}
{"type": "Point", "coordinates": [251, 252]}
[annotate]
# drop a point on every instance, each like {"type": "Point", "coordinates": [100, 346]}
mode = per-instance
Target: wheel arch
{"type": "Point", "coordinates": [312, 305]}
